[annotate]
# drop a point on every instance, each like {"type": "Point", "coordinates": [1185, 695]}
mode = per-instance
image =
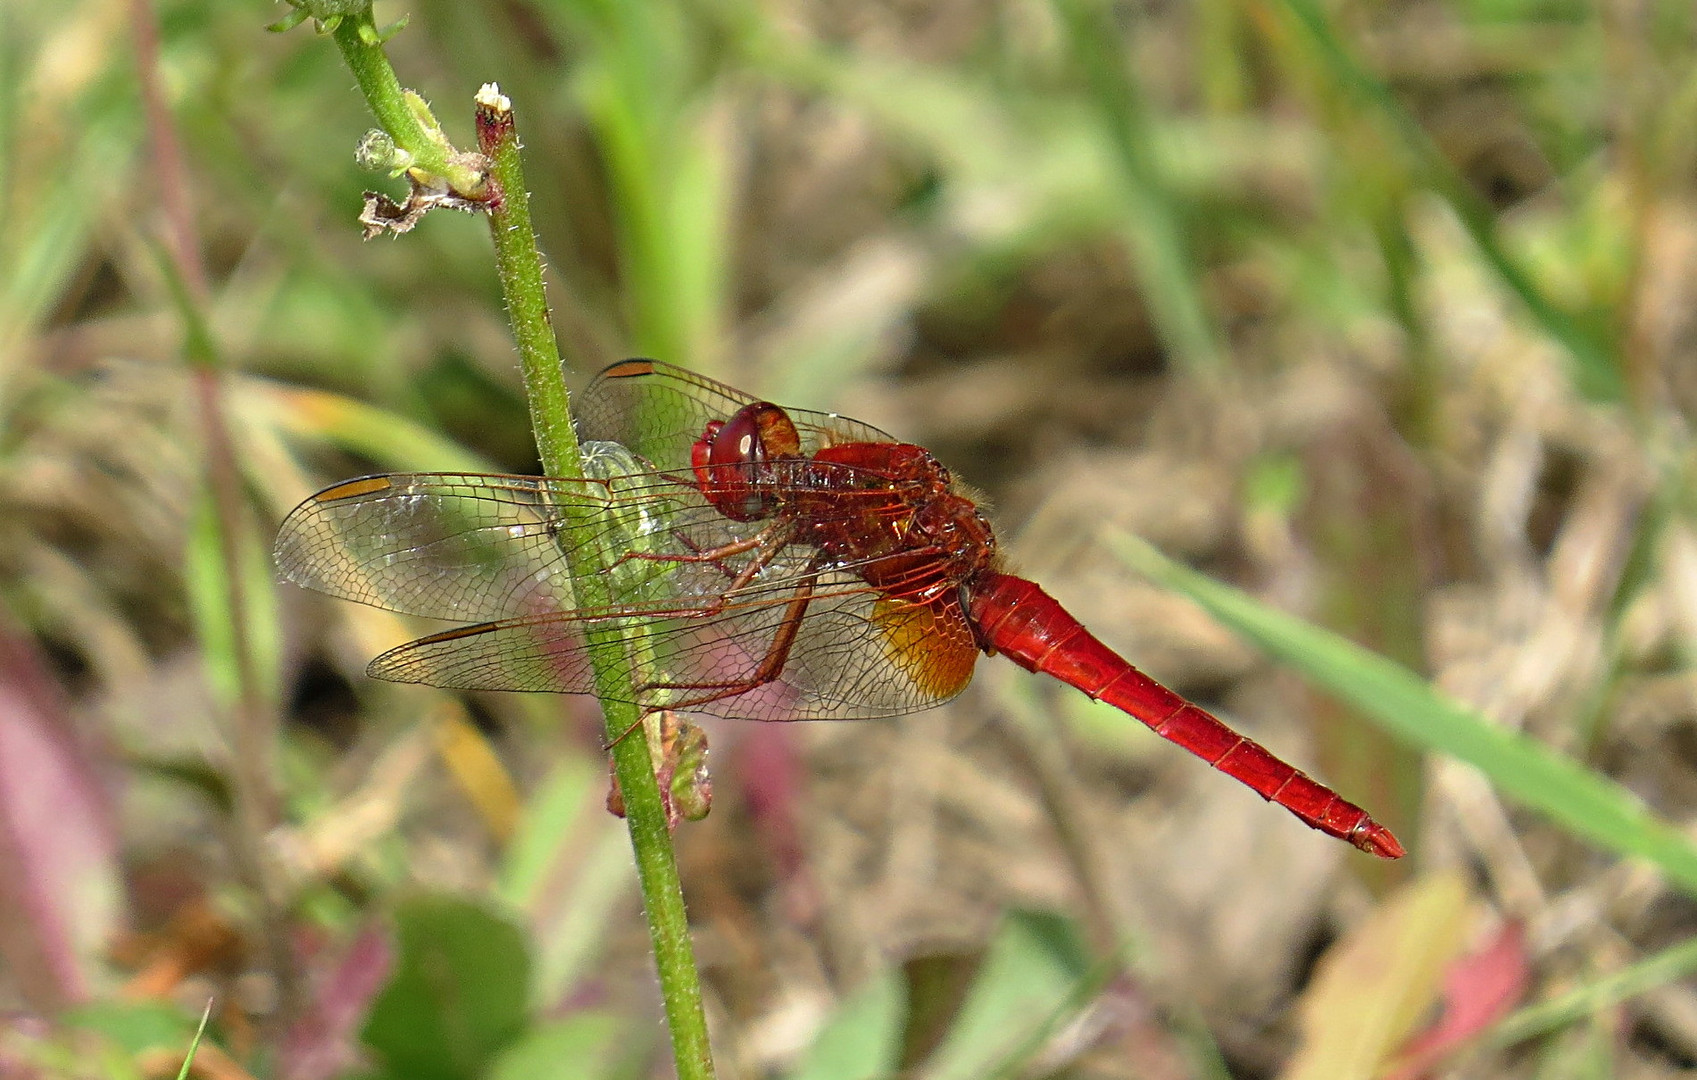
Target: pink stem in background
{"type": "Point", "coordinates": [60, 886]}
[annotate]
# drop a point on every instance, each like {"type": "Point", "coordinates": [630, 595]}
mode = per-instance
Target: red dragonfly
{"type": "Point", "coordinates": [767, 564]}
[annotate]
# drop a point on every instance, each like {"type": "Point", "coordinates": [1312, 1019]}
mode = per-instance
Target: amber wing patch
{"type": "Point", "coordinates": [929, 643]}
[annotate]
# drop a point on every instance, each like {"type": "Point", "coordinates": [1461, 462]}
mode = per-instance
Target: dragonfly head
{"type": "Point", "coordinates": [732, 458]}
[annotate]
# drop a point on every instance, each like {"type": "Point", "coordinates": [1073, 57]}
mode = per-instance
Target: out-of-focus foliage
{"type": "Point", "coordinates": [1382, 313]}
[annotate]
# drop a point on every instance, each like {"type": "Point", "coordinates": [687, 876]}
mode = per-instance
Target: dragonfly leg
{"type": "Point", "coordinates": [771, 665]}
{"type": "Point", "coordinates": [765, 544]}
{"type": "Point", "coordinates": [762, 558]}
{"type": "Point", "coordinates": [712, 555]}
{"type": "Point", "coordinates": [625, 734]}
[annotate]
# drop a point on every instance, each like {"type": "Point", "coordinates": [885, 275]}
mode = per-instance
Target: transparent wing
{"type": "Point", "coordinates": [701, 601]}
{"type": "Point", "coordinates": [854, 656]}
{"type": "Point", "coordinates": [468, 547]}
{"type": "Point", "coordinates": [659, 411]}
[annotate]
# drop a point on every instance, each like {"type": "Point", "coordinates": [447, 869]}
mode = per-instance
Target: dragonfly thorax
{"type": "Point", "coordinates": [888, 510]}
{"type": "Point", "coordinates": [913, 535]}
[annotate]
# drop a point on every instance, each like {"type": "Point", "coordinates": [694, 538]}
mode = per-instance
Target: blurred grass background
{"type": "Point", "coordinates": [1380, 312]}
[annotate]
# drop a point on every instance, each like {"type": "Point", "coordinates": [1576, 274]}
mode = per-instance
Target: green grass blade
{"type": "Point", "coordinates": [1399, 701]}
{"type": "Point", "coordinates": [1665, 967]}
{"type": "Point", "coordinates": [1595, 366]}
{"type": "Point", "coordinates": [1156, 230]}
{"type": "Point", "coordinates": [194, 1046]}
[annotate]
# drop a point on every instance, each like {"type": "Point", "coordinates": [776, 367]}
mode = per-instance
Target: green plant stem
{"type": "Point", "coordinates": [383, 93]}
{"type": "Point", "coordinates": [520, 268]}
{"type": "Point", "coordinates": [388, 103]}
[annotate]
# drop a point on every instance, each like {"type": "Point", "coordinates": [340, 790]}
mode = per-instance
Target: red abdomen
{"type": "Point", "coordinates": [1017, 618]}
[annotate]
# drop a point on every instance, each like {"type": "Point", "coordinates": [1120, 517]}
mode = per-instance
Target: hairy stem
{"type": "Point", "coordinates": [431, 155]}
{"type": "Point", "coordinates": [520, 268]}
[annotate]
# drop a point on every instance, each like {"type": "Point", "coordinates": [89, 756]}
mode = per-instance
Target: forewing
{"type": "Point", "coordinates": [467, 547]}
{"type": "Point", "coordinates": [659, 411]}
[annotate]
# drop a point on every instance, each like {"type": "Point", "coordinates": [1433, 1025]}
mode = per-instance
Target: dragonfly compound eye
{"type": "Point", "coordinates": [731, 457]}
